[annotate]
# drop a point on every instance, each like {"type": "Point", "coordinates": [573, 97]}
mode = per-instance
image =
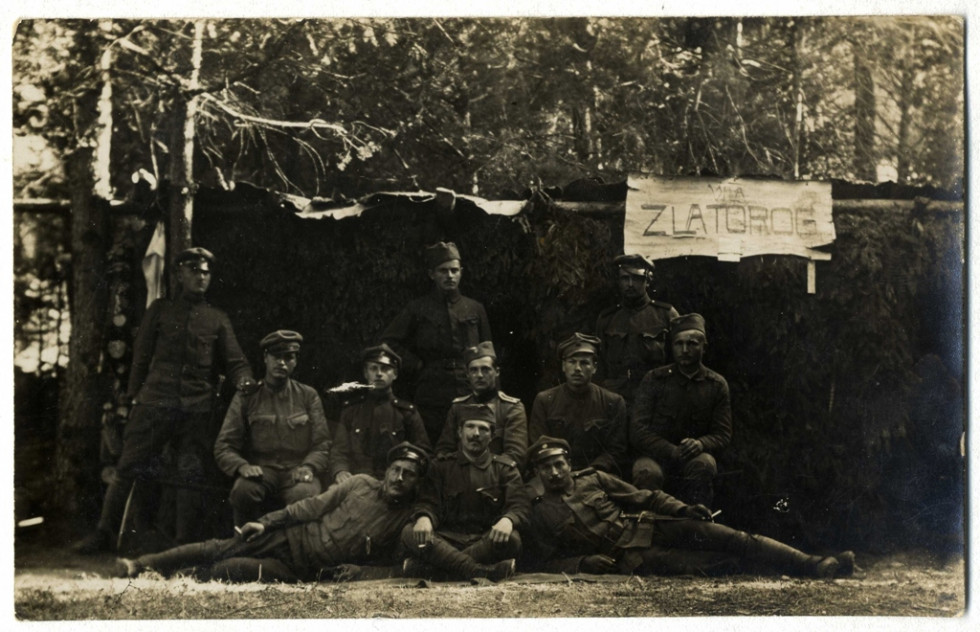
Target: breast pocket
{"type": "Point", "coordinates": [599, 502]}
{"type": "Point", "coordinates": [653, 347]}
{"type": "Point", "coordinates": [262, 433]}
{"type": "Point", "coordinates": [470, 327]}
{"type": "Point", "coordinates": [205, 349]}
{"type": "Point", "coordinates": [298, 432]}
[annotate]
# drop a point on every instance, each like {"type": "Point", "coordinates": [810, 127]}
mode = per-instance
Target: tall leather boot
{"type": "Point", "coordinates": [767, 552]}
{"type": "Point", "coordinates": [445, 556]}
{"type": "Point", "coordinates": [180, 557]}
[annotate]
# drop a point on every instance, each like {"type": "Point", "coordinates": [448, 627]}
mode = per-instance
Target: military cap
{"type": "Point", "coordinates": [477, 412]}
{"type": "Point", "coordinates": [196, 255]}
{"type": "Point", "coordinates": [546, 447]}
{"type": "Point", "coordinates": [409, 452]}
{"type": "Point", "coordinates": [578, 343]}
{"type": "Point", "coordinates": [281, 341]}
{"type": "Point", "coordinates": [686, 322]}
{"type": "Point", "coordinates": [440, 253]}
{"type": "Point", "coordinates": [382, 354]}
{"type": "Point", "coordinates": [634, 264]}
{"type": "Point", "coordinates": [482, 350]}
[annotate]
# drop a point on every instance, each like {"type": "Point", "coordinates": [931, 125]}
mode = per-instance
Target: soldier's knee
{"type": "Point", "coordinates": [246, 492]}
{"type": "Point", "coordinates": [408, 538]}
{"type": "Point", "coordinates": [299, 491]}
{"type": "Point", "coordinates": [647, 474]}
{"type": "Point", "coordinates": [703, 467]}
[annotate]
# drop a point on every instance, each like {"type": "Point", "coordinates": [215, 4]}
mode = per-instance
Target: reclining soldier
{"type": "Point", "coordinates": [353, 522]}
{"type": "Point", "coordinates": [274, 442]}
{"type": "Point", "coordinates": [470, 508]}
{"type": "Point", "coordinates": [590, 521]}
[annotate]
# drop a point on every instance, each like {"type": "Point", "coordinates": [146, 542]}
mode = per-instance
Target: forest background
{"type": "Point", "coordinates": [334, 110]}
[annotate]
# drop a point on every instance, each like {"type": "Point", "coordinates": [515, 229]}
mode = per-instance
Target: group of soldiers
{"type": "Point", "coordinates": [458, 484]}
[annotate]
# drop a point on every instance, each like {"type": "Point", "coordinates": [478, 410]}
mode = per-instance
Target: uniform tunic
{"type": "Point", "coordinates": [278, 429]}
{"type": "Point", "coordinates": [670, 406]}
{"type": "Point", "coordinates": [181, 347]}
{"type": "Point", "coordinates": [368, 428]}
{"type": "Point", "coordinates": [594, 423]}
{"type": "Point", "coordinates": [430, 334]}
{"type": "Point", "coordinates": [351, 522]}
{"type": "Point", "coordinates": [633, 339]}
{"type": "Point", "coordinates": [589, 520]}
{"type": "Point", "coordinates": [463, 497]}
{"type": "Point", "coordinates": [510, 429]}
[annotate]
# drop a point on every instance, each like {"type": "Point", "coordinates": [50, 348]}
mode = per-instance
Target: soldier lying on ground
{"type": "Point", "coordinates": [590, 521]}
{"type": "Point", "coordinates": [354, 522]}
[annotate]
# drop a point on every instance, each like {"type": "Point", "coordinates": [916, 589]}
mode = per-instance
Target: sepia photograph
{"type": "Point", "coordinates": [490, 316]}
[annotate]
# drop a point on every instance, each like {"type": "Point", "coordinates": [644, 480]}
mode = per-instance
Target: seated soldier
{"type": "Point", "coordinates": [354, 522]}
{"type": "Point", "coordinates": [469, 509]}
{"type": "Point", "coordinates": [274, 441]}
{"type": "Point", "coordinates": [682, 418]}
{"type": "Point", "coordinates": [371, 423]}
{"type": "Point", "coordinates": [509, 417]}
{"type": "Point", "coordinates": [593, 522]}
{"type": "Point", "coordinates": [592, 419]}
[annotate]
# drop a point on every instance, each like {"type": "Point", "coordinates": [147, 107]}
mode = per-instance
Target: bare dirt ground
{"type": "Point", "coordinates": [52, 584]}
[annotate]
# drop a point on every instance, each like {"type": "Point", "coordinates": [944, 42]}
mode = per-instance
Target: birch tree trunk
{"type": "Point", "coordinates": [182, 160]}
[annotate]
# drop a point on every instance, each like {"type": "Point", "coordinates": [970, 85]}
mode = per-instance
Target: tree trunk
{"type": "Point", "coordinates": [83, 388]}
{"type": "Point", "coordinates": [182, 160]}
{"type": "Point", "coordinates": [864, 119]}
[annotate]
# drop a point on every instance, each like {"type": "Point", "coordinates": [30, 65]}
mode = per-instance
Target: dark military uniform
{"type": "Point", "coordinates": [369, 427]}
{"type": "Point", "coordinates": [351, 522]}
{"type": "Point", "coordinates": [181, 347]}
{"type": "Point", "coordinates": [510, 425]}
{"type": "Point", "coordinates": [431, 334]}
{"type": "Point", "coordinates": [279, 430]}
{"type": "Point", "coordinates": [644, 531]}
{"type": "Point", "coordinates": [633, 342]}
{"type": "Point", "coordinates": [594, 423]}
{"type": "Point", "coordinates": [464, 499]}
{"type": "Point", "coordinates": [669, 407]}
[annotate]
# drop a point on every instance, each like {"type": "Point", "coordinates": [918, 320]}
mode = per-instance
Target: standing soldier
{"type": "Point", "coordinates": [470, 508]}
{"type": "Point", "coordinates": [591, 419]}
{"type": "Point", "coordinates": [274, 442]}
{"type": "Point", "coordinates": [510, 419]}
{"type": "Point", "coordinates": [182, 345]}
{"type": "Point", "coordinates": [681, 419]}
{"type": "Point", "coordinates": [431, 334]}
{"type": "Point", "coordinates": [371, 424]}
{"type": "Point", "coordinates": [633, 333]}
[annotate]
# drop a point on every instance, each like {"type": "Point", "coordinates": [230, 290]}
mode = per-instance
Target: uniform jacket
{"type": "Point", "coordinates": [183, 344]}
{"type": "Point", "coordinates": [670, 406]}
{"type": "Point", "coordinates": [431, 333]}
{"type": "Point", "coordinates": [594, 423]}
{"type": "Point", "coordinates": [633, 341]}
{"type": "Point", "coordinates": [351, 522]}
{"type": "Point", "coordinates": [590, 520]}
{"type": "Point", "coordinates": [469, 497]}
{"type": "Point", "coordinates": [277, 429]}
{"type": "Point", "coordinates": [369, 427]}
{"type": "Point", "coordinates": [510, 431]}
